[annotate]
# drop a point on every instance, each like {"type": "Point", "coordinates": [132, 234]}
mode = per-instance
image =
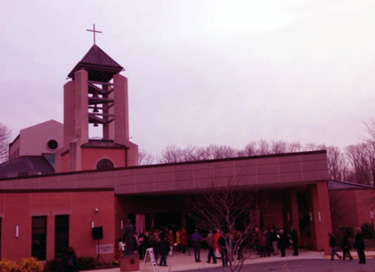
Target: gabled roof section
{"type": "Point", "coordinates": [100, 66]}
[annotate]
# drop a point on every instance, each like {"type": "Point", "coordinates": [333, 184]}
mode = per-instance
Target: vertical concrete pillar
{"type": "Point", "coordinates": [108, 128]}
{"type": "Point", "coordinates": [81, 125]}
{"type": "Point", "coordinates": [320, 215]}
{"type": "Point", "coordinates": [121, 111]}
{"type": "Point", "coordinates": [69, 114]}
{"type": "Point", "coordinates": [294, 209]}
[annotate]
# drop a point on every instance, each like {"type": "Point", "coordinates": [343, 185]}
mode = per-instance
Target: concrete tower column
{"type": "Point", "coordinates": [294, 209]}
{"type": "Point", "coordinates": [69, 115]}
{"type": "Point", "coordinates": [121, 126]}
{"type": "Point", "coordinates": [81, 125]}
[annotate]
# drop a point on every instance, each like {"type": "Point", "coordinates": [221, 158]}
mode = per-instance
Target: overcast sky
{"type": "Point", "coordinates": [201, 72]}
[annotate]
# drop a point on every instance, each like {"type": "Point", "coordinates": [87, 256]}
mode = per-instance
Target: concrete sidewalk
{"type": "Point", "coordinates": [181, 262]}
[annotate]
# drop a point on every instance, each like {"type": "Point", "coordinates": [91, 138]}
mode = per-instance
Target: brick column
{"type": "Point", "coordinates": [320, 215]}
{"type": "Point", "coordinates": [294, 210]}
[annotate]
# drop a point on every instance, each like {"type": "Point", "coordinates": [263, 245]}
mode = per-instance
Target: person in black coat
{"type": "Point", "coordinates": [282, 242]}
{"type": "Point", "coordinates": [223, 249]}
{"type": "Point", "coordinates": [70, 261]}
{"type": "Point", "coordinates": [294, 239]}
{"type": "Point", "coordinates": [345, 246]}
{"type": "Point", "coordinates": [332, 245]}
{"type": "Point", "coordinates": [164, 249]}
{"type": "Point", "coordinates": [359, 244]}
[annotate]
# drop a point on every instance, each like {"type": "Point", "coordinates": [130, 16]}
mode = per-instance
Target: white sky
{"type": "Point", "coordinates": [201, 72]}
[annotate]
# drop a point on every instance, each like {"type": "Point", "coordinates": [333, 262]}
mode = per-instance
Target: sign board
{"type": "Point", "coordinates": [151, 255]}
{"type": "Point", "coordinates": [105, 249]}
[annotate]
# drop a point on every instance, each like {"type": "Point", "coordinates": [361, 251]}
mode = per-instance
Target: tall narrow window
{"type": "Point", "coordinates": [61, 235]}
{"type": "Point", "coordinates": [39, 237]}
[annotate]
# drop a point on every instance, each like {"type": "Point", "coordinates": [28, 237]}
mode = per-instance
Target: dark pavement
{"type": "Point", "coordinates": [321, 265]}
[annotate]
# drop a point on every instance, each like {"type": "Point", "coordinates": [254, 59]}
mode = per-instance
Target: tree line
{"type": "Point", "coordinates": [354, 163]}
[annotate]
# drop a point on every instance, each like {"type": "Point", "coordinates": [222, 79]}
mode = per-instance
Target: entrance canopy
{"type": "Point", "coordinates": [271, 171]}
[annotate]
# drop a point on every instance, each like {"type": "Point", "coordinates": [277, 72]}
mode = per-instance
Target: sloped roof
{"type": "Point", "coordinates": [100, 66]}
{"type": "Point", "coordinates": [103, 144]}
{"type": "Point", "coordinates": [26, 166]}
{"type": "Point", "coordinates": [344, 185]}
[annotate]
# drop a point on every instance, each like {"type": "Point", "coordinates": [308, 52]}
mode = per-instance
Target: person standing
{"type": "Point", "coordinates": [171, 241]}
{"type": "Point", "coordinates": [196, 239]}
{"type": "Point", "coordinates": [121, 246]}
{"type": "Point", "coordinates": [359, 244]}
{"type": "Point", "coordinates": [211, 246]}
{"type": "Point", "coordinates": [216, 249]}
{"type": "Point", "coordinates": [70, 261]}
{"type": "Point", "coordinates": [345, 246]}
{"type": "Point", "coordinates": [164, 249]}
{"type": "Point", "coordinates": [283, 241]}
{"type": "Point", "coordinates": [332, 245]}
{"type": "Point", "coordinates": [294, 238]}
{"type": "Point", "coordinates": [178, 239]}
{"type": "Point", "coordinates": [273, 233]}
{"type": "Point", "coordinates": [184, 240]}
{"type": "Point", "coordinates": [222, 243]}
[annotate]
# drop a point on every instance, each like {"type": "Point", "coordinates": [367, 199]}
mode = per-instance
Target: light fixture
{"type": "Point", "coordinates": [17, 231]}
{"type": "Point", "coordinates": [92, 224]}
{"type": "Point", "coordinates": [96, 210]}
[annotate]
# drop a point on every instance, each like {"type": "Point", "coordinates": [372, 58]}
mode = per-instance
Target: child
{"type": "Point", "coordinates": [121, 246]}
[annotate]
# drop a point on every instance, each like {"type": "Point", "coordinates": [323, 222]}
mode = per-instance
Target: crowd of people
{"type": "Point", "coordinates": [342, 240]}
{"type": "Point", "coordinates": [165, 241]}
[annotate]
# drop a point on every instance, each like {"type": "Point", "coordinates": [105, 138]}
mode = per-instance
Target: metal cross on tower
{"type": "Point", "coordinates": [93, 31]}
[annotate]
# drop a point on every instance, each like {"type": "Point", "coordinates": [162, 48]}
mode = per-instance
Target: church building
{"type": "Point", "coordinates": [77, 183]}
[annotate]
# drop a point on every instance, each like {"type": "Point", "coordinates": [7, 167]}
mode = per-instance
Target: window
{"type": "Point", "coordinates": [39, 237]}
{"type": "Point", "coordinates": [61, 235]}
{"type": "Point", "coordinates": [104, 164]}
{"type": "Point", "coordinates": [52, 144]}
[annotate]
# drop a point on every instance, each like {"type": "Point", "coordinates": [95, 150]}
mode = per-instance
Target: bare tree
{"type": "Point", "coordinates": [263, 148]}
{"type": "Point", "coordinates": [279, 147]}
{"type": "Point", "coordinates": [221, 152]}
{"type": "Point", "coordinates": [227, 207]}
{"type": "Point", "coordinates": [294, 147]}
{"type": "Point", "coordinates": [360, 164]}
{"type": "Point", "coordinates": [336, 163]}
{"type": "Point", "coordinates": [249, 150]}
{"type": "Point", "coordinates": [4, 142]}
{"type": "Point", "coordinates": [171, 154]}
{"type": "Point", "coordinates": [145, 158]}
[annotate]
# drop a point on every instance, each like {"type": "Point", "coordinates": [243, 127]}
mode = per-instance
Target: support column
{"type": "Point", "coordinates": [121, 122]}
{"type": "Point", "coordinates": [69, 113]}
{"type": "Point", "coordinates": [320, 216]}
{"type": "Point", "coordinates": [81, 106]}
{"type": "Point", "coordinates": [294, 210]}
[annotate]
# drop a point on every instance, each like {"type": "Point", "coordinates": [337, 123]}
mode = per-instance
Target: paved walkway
{"type": "Point", "coordinates": [182, 262]}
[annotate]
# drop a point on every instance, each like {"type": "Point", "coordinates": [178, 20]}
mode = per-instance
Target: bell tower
{"type": "Point", "coordinates": [96, 95]}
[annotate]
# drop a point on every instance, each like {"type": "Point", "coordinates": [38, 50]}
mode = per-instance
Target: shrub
{"type": "Point", "coordinates": [7, 266]}
{"type": "Point", "coordinates": [23, 265]}
{"type": "Point", "coordinates": [29, 265]}
{"type": "Point", "coordinates": [367, 231]}
{"type": "Point", "coordinates": [86, 263]}
{"type": "Point", "coordinates": [53, 265]}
